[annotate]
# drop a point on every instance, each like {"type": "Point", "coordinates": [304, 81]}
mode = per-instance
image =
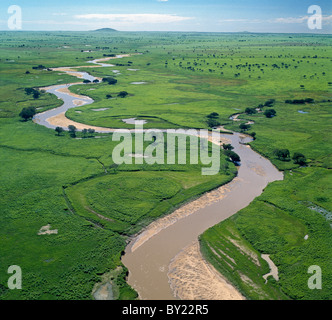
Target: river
{"type": "Point", "coordinates": [149, 261]}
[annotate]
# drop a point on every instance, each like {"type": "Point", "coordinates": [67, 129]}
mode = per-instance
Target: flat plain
{"type": "Point", "coordinates": [173, 80]}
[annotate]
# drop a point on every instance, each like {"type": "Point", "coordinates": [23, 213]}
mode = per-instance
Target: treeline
{"type": "Point", "coordinates": [300, 101]}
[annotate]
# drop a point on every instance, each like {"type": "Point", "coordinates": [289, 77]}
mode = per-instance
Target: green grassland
{"type": "Point", "coordinates": [72, 184]}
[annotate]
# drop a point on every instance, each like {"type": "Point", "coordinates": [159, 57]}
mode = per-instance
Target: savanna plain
{"type": "Point", "coordinates": [67, 211]}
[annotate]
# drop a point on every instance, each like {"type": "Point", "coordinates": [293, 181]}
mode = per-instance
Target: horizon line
{"type": "Point", "coordinates": [170, 31]}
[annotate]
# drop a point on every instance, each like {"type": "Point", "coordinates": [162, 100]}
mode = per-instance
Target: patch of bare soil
{"type": "Point", "coordinates": [192, 278]}
{"type": "Point", "coordinates": [46, 230]}
{"type": "Point", "coordinates": [61, 120]}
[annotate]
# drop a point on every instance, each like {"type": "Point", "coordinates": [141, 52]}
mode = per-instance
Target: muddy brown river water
{"type": "Point", "coordinates": [148, 264]}
{"type": "Point", "coordinates": [149, 256]}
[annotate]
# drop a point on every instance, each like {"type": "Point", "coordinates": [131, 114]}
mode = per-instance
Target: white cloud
{"type": "Point", "coordinates": [143, 18]}
{"type": "Point", "coordinates": [288, 20]}
{"type": "Point", "coordinates": [326, 19]}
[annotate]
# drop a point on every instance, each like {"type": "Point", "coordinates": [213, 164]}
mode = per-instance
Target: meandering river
{"type": "Point", "coordinates": [152, 256]}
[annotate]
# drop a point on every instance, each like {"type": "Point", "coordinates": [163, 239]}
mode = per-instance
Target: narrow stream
{"type": "Point", "coordinates": [149, 262]}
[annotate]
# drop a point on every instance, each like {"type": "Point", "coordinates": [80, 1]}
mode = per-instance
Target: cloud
{"type": "Point", "coordinates": [326, 19]}
{"type": "Point", "coordinates": [288, 20]}
{"type": "Point", "coordinates": [143, 18]}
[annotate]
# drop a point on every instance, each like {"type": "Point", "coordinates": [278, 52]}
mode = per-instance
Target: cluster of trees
{"type": "Point", "coordinates": [250, 111]}
{"type": "Point", "coordinates": [228, 151]}
{"type": "Point", "coordinates": [31, 91]}
{"type": "Point", "coordinates": [213, 120]}
{"type": "Point", "coordinates": [88, 81]}
{"type": "Point", "coordinates": [268, 113]}
{"type": "Point", "coordinates": [39, 67]}
{"type": "Point", "coordinates": [300, 101]}
{"type": "Point", "coordinates": [284, 155]}
{"type": "Point", "coordinates": [110, 80]}
{"type": "Point", "coordinates": [121, 94]}
{"type": "Point", "coordinates": [72, 131]}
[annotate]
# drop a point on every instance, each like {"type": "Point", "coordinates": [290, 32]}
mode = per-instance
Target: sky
{"type": "Point", "coordinates": [279, 16]}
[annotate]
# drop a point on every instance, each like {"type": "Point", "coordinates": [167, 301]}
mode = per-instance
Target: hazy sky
{"type": "Point", "coordinates": [168, 15]}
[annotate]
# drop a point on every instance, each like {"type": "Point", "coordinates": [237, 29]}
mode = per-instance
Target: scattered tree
{"type": "Point", "coordinates": [213, 115]}
{"type": "Point", "coordinates": [282, 154]}
{"type": "Point", "coordinates": [72, 130]}
{"type": "Point", "coordinates": [227, 146]}
{"type": "Point", "coordinates": [270, 113]}
{"type": "Point", "coordinates": [250, 111]}
{"type": "Point", "coordinates": [269, 103]}
{"type": "Point", "coordinates": [232, 155]}
{"type": "Point", "coordinates": [28, 113]}
{"type": "Point", "coordinates": [123, 94]}
{"type": "Point", "coordinates": [59, 130]}
{"type": "Point", "coordinates": [110, 80]}
{"type": "Point", "coordinates": [244, 127]}
{"type": "Point", "coordinates": [91, 132]}
{"type": "Point", "coordinates": [299, 158]}
{"type": "Point", "coordinates": [84, 131]}
{"type": "Point", "coordinates": [31, 91]}
{"type": "Point", "coordinates": [213, 123]}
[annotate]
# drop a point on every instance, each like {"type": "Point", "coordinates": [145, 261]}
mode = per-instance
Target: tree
{"type": "Point", "coordinates": [91, 131]}
{"type": "Point", "coordinates": [250, 111]}
{"type": "Point", "coordinates": [282, 154]}
{"type": "Point", "coordinates": [59, 130]}
{"type": "Point", "coordinates": [213, 115]}
{"type": "Point", "coordinates": [269, 103]}
{"type": "Point", "coordinates": [28, 113]}
{"type": "Point", "coordinates": [233, 156]}
{"type": "Point", "coordinates": [31, 91]}
{"type": "Point", "coordinates": [72, 130]}
{"type": "Point", "coordinates": [110, 80]}
{"type": "Point", "coordinates": [270, 113]}
{"type": "Point", "coordinates": [299, 158]}
{"type": "Point", "coordinates": [36, 94]}
{"type": "Point", "coordinates": [123, 94]}
{"type": "Point", "coordinates": [227, 147]}
{"type": "Point", "coordinates": [85, 131]}
{"type": "Point", "coordinates": [244, 126]}
{"type": "Point", "coordinates": [213, 123]}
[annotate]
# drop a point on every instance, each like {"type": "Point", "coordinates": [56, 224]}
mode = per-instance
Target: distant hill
{"type": "Point", "coordinates": [106, 30]}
